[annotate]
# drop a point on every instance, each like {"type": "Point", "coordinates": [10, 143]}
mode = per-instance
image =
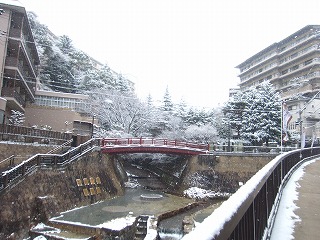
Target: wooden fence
{"type": "Point", "coordinates": [14, 133]}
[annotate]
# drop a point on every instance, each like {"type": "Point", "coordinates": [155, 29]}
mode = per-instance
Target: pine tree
{"type": "Point", "coordinates": [233, 112]}
{"type": "Point", "coordinates": [261, 122]}
{"type": "Point", "coordinates": [167, 102]}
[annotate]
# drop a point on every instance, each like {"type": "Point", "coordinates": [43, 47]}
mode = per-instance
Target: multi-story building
{"type": "Point", "coordinates": [67, 112]}
{"type": "Point", "coordinates": [293, 67]}
{"type": "Point", "coordinates": [18, 60]}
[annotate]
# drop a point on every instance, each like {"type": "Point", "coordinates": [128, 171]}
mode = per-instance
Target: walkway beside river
{"type": "Point", "coordinates": [299, 212]}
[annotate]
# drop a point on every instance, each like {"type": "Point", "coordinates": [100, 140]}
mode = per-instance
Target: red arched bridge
{"type": "Point", "coordinates": [151, 145]}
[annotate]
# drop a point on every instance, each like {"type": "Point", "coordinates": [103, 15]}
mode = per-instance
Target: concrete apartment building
{"type": "Point", "coordinates": [19, 83]}
{"type": "Point", "coordinates": [293, 67]}
{"type": "Point", "coordinates": [18, 60]}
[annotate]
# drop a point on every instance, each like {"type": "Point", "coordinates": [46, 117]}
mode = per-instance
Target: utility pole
{"type": "Point", "coordinates": [300, 117]}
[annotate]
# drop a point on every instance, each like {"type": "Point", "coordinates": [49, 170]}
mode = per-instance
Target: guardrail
{"type": "Point", "coordinates": [11, 177]}
{"type": "Point", "coordinates": [249, 213]}
{"type": "Point", "coordinates": [61, 147]}
{"type": "Point", "coordinates": [109, 142]}
{"type": "Point", "coordinates": [8, 162]}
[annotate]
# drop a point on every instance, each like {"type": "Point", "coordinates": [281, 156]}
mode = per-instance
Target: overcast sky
{"type": "Point", "coordinates": [191, 46]}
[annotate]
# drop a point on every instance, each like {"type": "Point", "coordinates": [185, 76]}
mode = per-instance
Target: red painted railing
{"type": "Point", "coordinates": [112, 142]}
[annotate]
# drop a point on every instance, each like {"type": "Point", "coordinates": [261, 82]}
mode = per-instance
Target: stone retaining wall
{"type": "Point", "coordinates": [46, 193]}
{"type": "Point", "coordinates": [9, 149]}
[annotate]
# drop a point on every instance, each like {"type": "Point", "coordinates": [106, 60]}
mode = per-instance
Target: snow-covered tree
{"type": "Point", "coordinates": [65, 44]}
{"type": "Point", "coordinates": [233, 113]}
{"type": "Point", "coordinates": [118, 111]}
{"type": "Point", "coordinates": [197, 117]}
{"type": "Point", "coordinates": [261, 122]}
{"type": "Point", "coordinates": [17, 118]}
{"type": "Point", "coordinates": [203, 133]}
{"type": "Point", "coordinates": [167, 105]}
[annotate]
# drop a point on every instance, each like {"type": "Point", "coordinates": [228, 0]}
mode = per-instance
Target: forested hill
{"type": "Point", "coordinates": [65, 68]}
{"type": "Point", "coordinates": [112, 99]}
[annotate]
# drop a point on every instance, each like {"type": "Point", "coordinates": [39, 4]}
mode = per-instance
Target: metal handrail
{"type": "Point", "coordinates": [60, 147]}
{"type": "Point", "coordinates": [109, 142]}
{"type": "Point", "coordinates": [10, 177]}
{"type": "Point", "coordinates": [246, 214]}
{"type": "Point", "coordinates": [8, 159]}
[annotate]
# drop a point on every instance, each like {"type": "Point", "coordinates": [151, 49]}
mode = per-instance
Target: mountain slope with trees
{"type": "Point", "coordinates": [112, 98]}
{"type": "Point", "coordinates": [253, 116]}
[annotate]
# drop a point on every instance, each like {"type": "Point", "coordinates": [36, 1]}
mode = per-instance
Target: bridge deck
{"type": "Point", "coordinates": [307, 201]}
{"type": "Point", "coordinates": [151, 145]}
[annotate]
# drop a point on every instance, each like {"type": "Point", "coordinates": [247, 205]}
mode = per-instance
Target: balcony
{"type": "Point", "coordinates": [14, 99]}
{"type": "Point", "coordinates": [29, 55]}
{"type": "Point", "coordinates": [296, 43]}
{"type": "Point", "coordinates": [297, 90]}
{"type": "Point", "coordinates": [14, 64]}
{"type": "Point", "coordinates": [15, 33]}
{"type": "Point", "coordinates": [301, 54]}
{"type": "Point", "coordinates": [26, 51]}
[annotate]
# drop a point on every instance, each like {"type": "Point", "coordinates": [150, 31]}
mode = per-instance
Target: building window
{"type": "Point", "coordinates": [308, 62]}
{"type": "Point", "coordinates": [284, 72]}
{"type": "Point", "coordinates": [294, 55]}
{"type": "Point", "coordinates": [293, 107]}
{"type": "Point", "coordinates": [295, 67]}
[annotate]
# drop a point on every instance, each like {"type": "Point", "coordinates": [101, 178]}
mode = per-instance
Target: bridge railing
{"type": "Point", "coordinates": [249, 213]}
{"type": "Point", "coordinates": [107, 142]}
{"type": "Point", "coordinates": [12, 176]}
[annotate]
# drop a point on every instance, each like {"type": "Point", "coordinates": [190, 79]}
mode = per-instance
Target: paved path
{"type": "Point", "coordinates": [298, 216]}
{"type": "Point", "coordinates": [308, 204]}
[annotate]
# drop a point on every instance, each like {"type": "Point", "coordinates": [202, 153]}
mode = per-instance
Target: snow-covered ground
{"type": "Point", "coordinates": [286, 218]}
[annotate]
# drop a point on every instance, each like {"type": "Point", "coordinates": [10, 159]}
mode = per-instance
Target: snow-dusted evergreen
{"type": "Point", "coordinates": [65, 68]}
{"type": "Point", "coordinates": [255, 115]}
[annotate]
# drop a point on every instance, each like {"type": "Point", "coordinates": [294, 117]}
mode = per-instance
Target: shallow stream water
{"type": "Point", "coordinates": [119, 207]}
{"type": "Point", "coordinates": [132, 202]}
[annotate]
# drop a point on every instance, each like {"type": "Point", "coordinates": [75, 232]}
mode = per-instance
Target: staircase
{"type": "Point", "coordinates": [141, 231]}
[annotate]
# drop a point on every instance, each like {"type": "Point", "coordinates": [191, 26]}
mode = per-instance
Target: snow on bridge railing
{"type": "Point", "coordinates": [249, 213]}
{"type": "Point", "coordinates": [109, 142]}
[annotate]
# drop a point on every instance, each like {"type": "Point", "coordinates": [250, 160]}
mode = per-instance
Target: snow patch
{"type": "Point", "coordinates": [199, 193]}
{"type": "Point", "coordinates": [118, 223]}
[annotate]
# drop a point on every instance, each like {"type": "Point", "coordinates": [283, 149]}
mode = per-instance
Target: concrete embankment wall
{"type": "Point", "coordinates": [245, 164]}
{"type": "Point", "coordinates": [25, 150]}
{"type": "Point", "coordinates": [47, 192]}
{"type": "Point", "coordinates": [223, 172]}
